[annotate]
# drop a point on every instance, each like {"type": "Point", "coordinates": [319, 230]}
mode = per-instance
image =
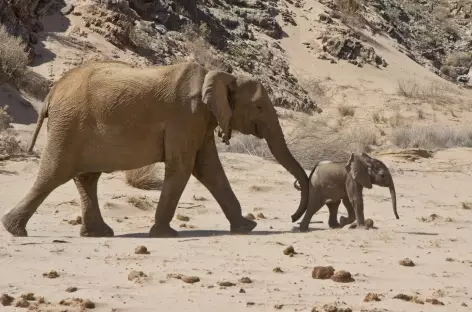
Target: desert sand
{"type": "Point", "coordinates": [434, 229]}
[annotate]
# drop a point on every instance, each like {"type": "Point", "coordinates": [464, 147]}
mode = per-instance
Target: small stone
{"type": "Point", "coordinates": [28, 296]}
{"type": "Point", "coordinates": [51, 274]}
{"type": "Point", "coordinates": [87, 304]}
{"type": "Point", "coordinates": [245, 280]}
{"type": "Point", "coordinates": [277, 270]}
{"type": "Point", "coordinates": [434, 301]}
{"type": "Point", "coordinates": [408, 298]}
{"type": "Point", "coordinates": [278, 306]}
{"type": "Point", "coordinates": [250, 216]}
{"type": "Point", "coordinates": [133, 275]}
{"type": "Point", "coordinates": [369, 223]}
{"type": "Point", "coordinates": [260, 215]}
{"type": "Point", "coordinates": [22, 303]}
{"type": "Point", "coordinates": [407, 262]}
{"type": "Point", "coordinates": [250, 303]}
{"type": "Point", "coordinates": [141, 250]}
{"type": "Point", "coordinates": [322, 272]}
{"type": "Point", "coordinates": [182, 218]}
{"type": "Point", "coordinates": [6, 299]}
{"type": "Point", "coordinates": [67, 9]}
{"type": "Point", "coordinates": [226, 284]}
{"type": "Point", "coordinates": [77, 221]}
{"type": "Point", "coordinates": [242, 291]}
{"type": "Point", "coordinates": [190, 279]}
{"type": "Point", "coordinates": [289, 251]}
{"type": "Point", "coordinates": [342, 277]}
{"type": "Point", "coordinates": [71, 289]}
{"type": "Point", "coordinates": [371, 297]}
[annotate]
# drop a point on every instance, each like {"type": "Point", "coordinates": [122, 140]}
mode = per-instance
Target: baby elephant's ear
{"type": "Point", "coordinates": [357, 168]}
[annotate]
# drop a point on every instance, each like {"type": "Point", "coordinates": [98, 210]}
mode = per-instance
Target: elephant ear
{"type": "Point", "coordinates": [358, 169]}
{"type": "Point", "coordinates": [215, 94]}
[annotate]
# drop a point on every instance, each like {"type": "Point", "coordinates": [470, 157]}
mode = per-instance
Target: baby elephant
{"type": "Point", "coordinates": [331, 183]}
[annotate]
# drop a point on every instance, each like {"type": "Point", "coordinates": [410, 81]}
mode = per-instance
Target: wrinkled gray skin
{"type": "Point", "coordinates": [106, 116]}
{"type": "Point", "coordinates": [331, 183]}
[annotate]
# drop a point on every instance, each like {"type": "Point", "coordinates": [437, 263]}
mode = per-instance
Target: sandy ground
{"type": "Point", "coordinates": [99, 267]}
{"type": "Point", "coordinates": [434, 229]}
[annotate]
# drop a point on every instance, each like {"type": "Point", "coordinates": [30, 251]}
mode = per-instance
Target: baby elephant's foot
{"type": "Point", "coordinates": [343, 221]}
{"type": "Point", "coordinates": [334, 225]}
{"type": "Point", "coordinates": [13, 225]}
{"type": "Point", "coordinates": [358, 226]}
{"type": "Point", "coordinates": [162, 231]}
{"type": "Point", "coordinates": [96, 230]}
{"type": "Point", "coordinates": [242, 226]}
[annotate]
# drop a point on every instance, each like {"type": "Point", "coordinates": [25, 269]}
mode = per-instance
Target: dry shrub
{"type": "Point", "coordinates": [5, 119]}
{"type": "Point", "coordinates": [13, 58]}
{"type": "Point", "coordinates": [145, 178]}
{"type": "Point", "coordinates": [434, 93]}
{"type": "Point", "coordinates": [379, 117]}
{"type": "Point", "coordinates": [432, 136]}
{"type": "Point", "coordinates": [246, 144]}
{"type": "Point", "coordinates": [9, 144]}
{"type": "Point", "coordinates": [346, 110]}
{"type": "Point", "coordinates": [459, 59]}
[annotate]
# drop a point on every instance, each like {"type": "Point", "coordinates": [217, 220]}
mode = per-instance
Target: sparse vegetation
{"type": "Point", "coordinates": [346, 110]}
{"type": "Point", "coordinates": [432, 136]}
{"type": "Point", "coordinates": [145, 178]}
{"type": "Point", "coordinates": [379, 117]}
{"type": "Point", "coordinates": [13, 58]}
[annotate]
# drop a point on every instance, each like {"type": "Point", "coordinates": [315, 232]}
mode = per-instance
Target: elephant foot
{"type": "Point", "coordinates": [243, 226]}
{"type": "Point", "coordinates": [96, 230]}
{"type": "Point", "coordinates": [162, 231]}
{"type": "Point", "coordinates": [13, 226]}
{"type": "Point", "coordinates": [344, 221]}
{"type": "Point", "coordinates": [334, 225]}
{"type": "Point", "coordinates": [358, 226]}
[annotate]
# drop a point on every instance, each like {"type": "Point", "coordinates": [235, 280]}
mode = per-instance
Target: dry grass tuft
{"type": "Point", "coordinates": [432, 136]}
{"type": "Point", "coordinates": [346, 110]}
{"type": "Point", "coordinates": [145, 178]}
{"type": "Point", "coordinates": [13, 58]}
{"type": "Point", "coordinates": [379, 117]}
{"type": "Point", "coordinates": [9, 144]}
{"type": "Point", "coordinates": [247, 144]}
{"type": "Point", "coordinates": [434, 93]}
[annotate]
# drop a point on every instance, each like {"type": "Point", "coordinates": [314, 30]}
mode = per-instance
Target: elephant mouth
{"type": "Point", "coordinates": [257, 132]}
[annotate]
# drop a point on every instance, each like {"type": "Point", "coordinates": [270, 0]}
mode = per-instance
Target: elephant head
{"type": "Point", "coordinates": [242, 103]}
{"type": "Point", "coordinates": [366, 171]}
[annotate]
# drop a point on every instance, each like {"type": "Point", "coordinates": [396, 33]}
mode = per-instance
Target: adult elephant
{"type": "Point", "coordinates": [105, 116]}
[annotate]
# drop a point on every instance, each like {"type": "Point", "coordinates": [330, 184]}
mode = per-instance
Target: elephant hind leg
{"type": "Point", "coordinates": [48, 179]}
{"type": "Point", "coordinates": [333, 214]}
{"type": "Point", "coordinates": [92, 221]}
{"type": "Point", "coordinates": [315, 203]}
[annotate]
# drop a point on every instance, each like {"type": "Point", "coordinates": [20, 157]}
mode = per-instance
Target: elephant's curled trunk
{"type": "Point", "coordinates": [278, 147]}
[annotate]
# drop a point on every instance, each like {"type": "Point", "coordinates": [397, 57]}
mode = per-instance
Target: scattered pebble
{"type": "Point", "coordinates": [71, 289]}
{"type": "Point", "coordinates": [278, 306]}
{"type": "Point", "coordinates": [182, 218]}
{"type": "Point", "coordinates": [83, 303]}
{"type": "Point", "coordinates": [141, 250]}
{"type": "Point", "coordinates": [450, 260]}
{"type": "Point", "coordinates": [51, 274]}
{"type": "Point", "coordinates": [371, 297]}
{"type": "Point", "coordinates": [407, 262]}
{"type": "Point", "coordinates": [464, 304]}
{"type": "Point", "coordinates": [342, 277]}
{"type": "Point", "coordinates": [250, 216]}
{"type": "Point", "coordinates": [22, 303]}
{"type": "Point", "coordinates": [242, 291]}
{"type": "Point", "coordinates": [185, 278]}
{"type": "Point", "coordinates": [322, 272]}
{"type": "Point", "coordinates": [245, 280]}
{"type": "Point", "coordinates": [260, 215]}
{"type": "Point", "coordinates": [331, 308]}
{"type": "Point", "coordinates": [226, 284]}
{"type": "Point", "coordinates": [369, 223]}
{"type": "Point", "coordinates": [278, 270]}
{"type": "Point", "coordinates": [136, 275]}
{"type": "Point", "coordinates": [28, 296]}
{"type": "Point", "coordinates": [6, 299]}
{"type": "Point", "coordinates": [250, 303]}
{"type": "Point", "coordinates": [289, 251]}
{"type": "Point", "coordinates": [77, 221]}
{"type": "Point", "coordinates": [434, 301]}
{"type": "Point", "coordinates": [408, 298]}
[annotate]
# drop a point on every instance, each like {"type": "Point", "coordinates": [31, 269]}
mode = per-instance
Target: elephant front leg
{"type": "Point", "coordinates": [356, 198]}
{"type": "Point", "coordinates": [209, 171]}
{"type": "Point", "coordinates": [351, 215]}
{"type": "Point", "coordinates": [333, 214]}
{"type": "Point", "coordinates": [176, 178]}
{"type": "Point", "coordinates": [92, 221]}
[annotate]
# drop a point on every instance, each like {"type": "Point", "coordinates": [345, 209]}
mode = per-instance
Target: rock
{"type": "Point", "coordinates": [76, 221]}
{"type": "Point", "coordinates": [67, 9]}
{"type": "Point", "coordinates": [277, 270]}
{"type": "Point", "coordinates": [407, 262]}
{"type": "Point", "coordinates": [51, 274]}
{"type": "Point", "coordinates": [182, 218]}
{"type": "Point", "coordinates": [22, 303]}
{"type": "Point", "coordinates": [141, 250]}
{"type": "Point", "coordinates": [260, 215]}
{"type": "Point", "coordinates": [408, 298]}
{"type": "Point", "coordinates": [28, 296]}
{"type": "Point", "coordinates": [136, 275]}
{"type": "Point", "coordinates": [250, 216]}
{"type": "Point", "coordinates": [289, 251]}
{"type": "Point", "coordinates": [245, 280]}
{"type": "Point", "coordinates": [322, 272]}
{"type": "Point", "coordinates": [434, 301]}
{"type": "Point", "coordinates": [226, 284]}
{"type": "Point", "coordinates": [325, 18]}
{"type": "Point", "coordinates": [242, 291]}
{"type": "Point", "coordinates": [6, 300]}
{"type": "Point", "coordinates": [342, 277]}
{"type": "Point", "coordinates": [371, 297]}
{"type": "Point", "coordinates": [369, 223]}
{"type": "Point", "coordinates": [71, 289]}
{"type": "Point", "coordinates": [190, 279]}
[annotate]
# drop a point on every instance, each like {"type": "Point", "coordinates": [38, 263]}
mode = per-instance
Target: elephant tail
{"type": "Point", "coordinates": [43, 114]}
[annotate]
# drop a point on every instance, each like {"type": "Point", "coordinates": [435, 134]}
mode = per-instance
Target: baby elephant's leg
{"type": "Point", "coordinates": [351, 215]}
{"type": "Point", "coordinates": [333, 214]}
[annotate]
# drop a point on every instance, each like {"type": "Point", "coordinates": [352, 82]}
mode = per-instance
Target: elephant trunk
{"type": "Point", "coordinates": [394, 199]}
{"type": "Point", "coordinates": [278, 147]}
